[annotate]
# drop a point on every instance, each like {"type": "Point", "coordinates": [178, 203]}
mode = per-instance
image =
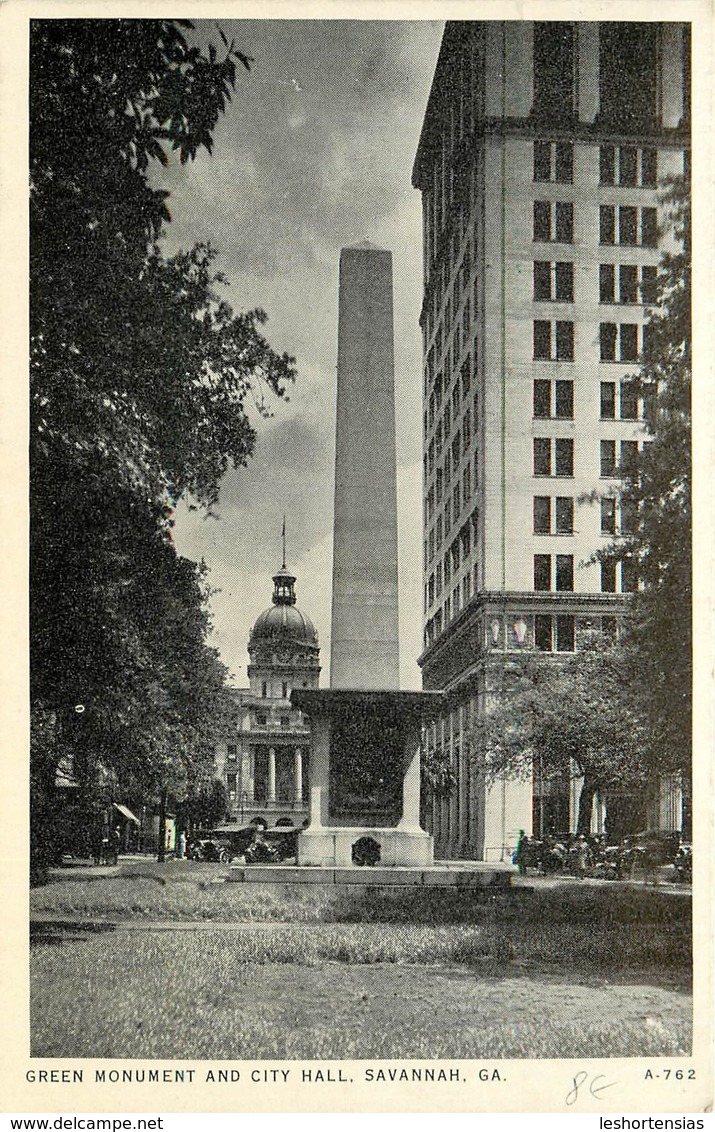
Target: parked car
{"type": "Point", "coordinates": [211, 849]}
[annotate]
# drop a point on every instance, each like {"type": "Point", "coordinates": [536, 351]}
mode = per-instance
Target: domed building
{"type": "Point", "coordinates": [264, 764]}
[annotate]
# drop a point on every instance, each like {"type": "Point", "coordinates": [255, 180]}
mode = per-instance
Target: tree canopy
{"type": "Point", "coordinates": [576, 710]}
{"type": "Point", "coordinates": [141, 379]}
{"type": "Point", "coordinates": [657, 493]}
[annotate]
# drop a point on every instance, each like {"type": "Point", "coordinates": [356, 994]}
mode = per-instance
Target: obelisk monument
{"type": "Point", "coordinates": [364, 636]}
{"type": "Point", "coordinates": [364, 769]}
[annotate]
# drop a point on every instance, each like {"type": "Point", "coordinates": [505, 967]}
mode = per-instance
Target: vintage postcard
{"type": "Point", "coordinates": [358, 651]}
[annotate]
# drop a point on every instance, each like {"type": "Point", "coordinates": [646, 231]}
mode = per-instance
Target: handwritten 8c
{"type": "Point", "coordinates": [596, 1086]}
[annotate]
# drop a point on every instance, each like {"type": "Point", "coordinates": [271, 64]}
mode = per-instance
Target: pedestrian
{"type": "Point", "coordinates": [580, 855]}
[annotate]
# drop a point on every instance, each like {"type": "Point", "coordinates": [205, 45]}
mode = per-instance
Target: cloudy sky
{"type": "Point", "coordinates": [314, 153]}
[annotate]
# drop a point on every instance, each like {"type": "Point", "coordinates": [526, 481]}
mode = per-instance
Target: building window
{"type": "Point", "coordinates": [563, 453]}
{"type": "Point", "coordinates": [649, 168]}
{"type": "Point", "coordinates": [542, 515]}
{"type": "Point", "coordinates": [608, 400]}
{"type": "Point", "coordinates": [542, 572]}
{"type": "Point", "coordinates": [632, 224]}
{"type": "Point", "coordinates": [231, 751]}
{"type": "Point", "coordinates": [285, 721]}
{"type": "Point", "coordinates": [542, 456]}
{"type": "Point", "coordinates": [618, 343]}
{"type": "Point", "coordinates": [628, 283]}
{"type": "Point", "coordinates": [628, 517]}
{"type": "Point", "coordinates": [608, 517]}
{"type": "Point", "coordinates": [628, 341]}
{"type": "Point", "coordinates": [564, 572]}
{"type": "Point", "coordinates": [264, 689]}
{"type": "Point", "coordinates": [564, 223]}
{"type": "Point", "coordinates": [608, 577]}
{"type": "Point", "coordinates": [564, 515]}
{"type": "Point", "coordinates": [629, 457]}
{"type": "Point", "coordinates": [565, 634]}
{"type": "Point", "coordinates": [285, 690]}
{"type": "Point", "coordinates": [629, 576]}
{"type": "Point", "coordinates": [553, 161]}
{"type": "Point", "coordinates": [564, 457]}
{"type": "Point", "coordinates": [607, 234]}
{"type": "Point", "coordinates": [553, 221]}
{"type": "Point", "coordinates": [553, 281]}
{"type": "Point", "coordinates": [607, 459]}
{"type": "Point", "coordinates": [607, 165]}
{"type": "Point", "coordinates": [542, 632]}
{"type": "Point", "coordinates": [606, 283]}
{"type": "Point", "coordinates": [649, 227]}
{"type": "Point", "coordinates": [553, 399]}
{"type": "Point", "coordinates": [553, 346]}
{"type": "Point", "coordinates": [629, 401]}
{"type": "Point", "coordinates": [628, 166]}
{"type": "Point", "coordinates": [261, 718]}
{"type": "Point", "coordinates": [627, 225]}
{"type": "Point", "coordinates": [649, 284]}
{"type": "Point", "coordinates": [549, 631]}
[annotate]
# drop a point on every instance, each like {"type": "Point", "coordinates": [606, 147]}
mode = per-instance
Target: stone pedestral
{"type": "Point", "coordinates": [357, 734]}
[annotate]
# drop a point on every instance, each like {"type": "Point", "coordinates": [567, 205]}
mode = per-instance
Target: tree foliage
{"type": "Point", "coordinates": [557, 714]}
{"type": "Point", "coordinates": [141, 378]}
{"type": "Point", "coordinates": [658, 495]}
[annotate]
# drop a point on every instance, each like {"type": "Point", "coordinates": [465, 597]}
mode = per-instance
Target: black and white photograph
{"type": "Point", "coordinates": [360, 527]}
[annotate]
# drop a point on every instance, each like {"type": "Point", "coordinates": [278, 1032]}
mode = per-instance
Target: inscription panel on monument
{"type": "Point", "coordinates": [366, 772]}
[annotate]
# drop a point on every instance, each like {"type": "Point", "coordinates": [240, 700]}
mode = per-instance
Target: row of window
{"type": "Point", "coordinates": [553, 341]}
{"type": "Point", "coordinates": [622, 283]}
{"type": "Point", "coordinates": [554, 456]}
{"type": "Point", "coordinates": [553, 515]}
{"type": "Point", "coordinates": [625, 165]}
{"type": "Point", "coordinates": [627, 225]}
{"type": "Point", "coordinates": [554, 400]}
{"type": "Point", "coordinates": [555, 573]}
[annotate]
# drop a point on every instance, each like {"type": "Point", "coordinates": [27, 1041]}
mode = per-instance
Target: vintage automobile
{"type": "Point", "coordinates": [211, 848]}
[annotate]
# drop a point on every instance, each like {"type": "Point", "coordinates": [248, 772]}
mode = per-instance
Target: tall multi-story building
{"type": "Point", "coordinates": [264, 762]}
{"type": "Point", "coordinates": [539, 161]}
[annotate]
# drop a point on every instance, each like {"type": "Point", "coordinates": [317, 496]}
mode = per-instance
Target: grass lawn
{"type": "Point", "coordinates": [319, 972]}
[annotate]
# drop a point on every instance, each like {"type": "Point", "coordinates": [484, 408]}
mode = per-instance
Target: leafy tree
{"type": "Point", "coordinates": [206, 806]}
{"type": "Point", "coordinates": [576, 710]}
{"type": "Point", "coordinates": [140, 378]}
{"type": "Point", "coordinates": [657, 495]}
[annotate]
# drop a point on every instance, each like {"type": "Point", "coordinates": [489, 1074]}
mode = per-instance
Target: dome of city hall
{"type": "Point", "coordinates": [283, 619]}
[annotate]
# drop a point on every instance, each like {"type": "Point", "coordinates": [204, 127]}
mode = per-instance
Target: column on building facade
{"type": "Point", "coordinates": [671, 79]}
{"type": "Point", "coordinates": [588, 71]}
{"type": "Point", "coordinates": [298, 776]}
{"type": "Point", "coordinates": [271, 774]}
{"type": "Point", "coordinates": [598, 813]}
{"type": "Point", "coordinates": [411, 780]}
{"type": "Point", "coordinates": [519, 93]}
{"type": "Point", "coordinates": [463, 792]}
{"type": "Point", "coordinates": [246, 776]}
{"type": "Point", "coordinates": [575, 786]}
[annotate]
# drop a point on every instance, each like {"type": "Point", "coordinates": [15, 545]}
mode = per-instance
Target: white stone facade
{"type": "Point", "coordinates": [538, 166]}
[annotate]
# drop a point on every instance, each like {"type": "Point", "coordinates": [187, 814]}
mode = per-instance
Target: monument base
{"type": "Point", "coordinates": [332, 846]}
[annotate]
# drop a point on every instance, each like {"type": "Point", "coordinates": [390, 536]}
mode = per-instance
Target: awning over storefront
{"type": "Point", "coordinates": [126, 812]}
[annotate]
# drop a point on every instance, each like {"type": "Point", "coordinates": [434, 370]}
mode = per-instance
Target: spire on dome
{"type": "Point", "coordinates": [283, 580]}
